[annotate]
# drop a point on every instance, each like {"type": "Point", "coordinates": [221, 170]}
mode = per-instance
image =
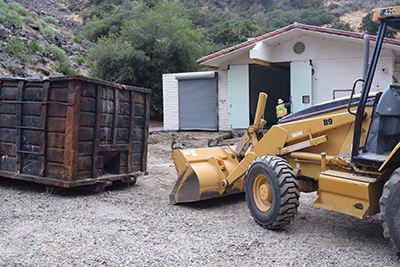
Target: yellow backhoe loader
{"type": "Point", "coordinates": [347, 150]}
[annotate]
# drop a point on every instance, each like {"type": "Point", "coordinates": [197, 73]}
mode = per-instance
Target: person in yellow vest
{"type": "Point", "coordinates": [281, 108]}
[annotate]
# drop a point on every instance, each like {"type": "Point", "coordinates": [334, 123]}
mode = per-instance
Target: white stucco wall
{"type": "Point", "coordinates": [171, 102]}
{"type": "Point", "coordinates": [223, 101]}
{"type": "Point", "coordinates": [340, 73]}
{"type": "Point", "coordinates": [337, 62]}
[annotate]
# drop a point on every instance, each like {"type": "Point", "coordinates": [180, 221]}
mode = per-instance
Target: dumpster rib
{"type": "Point", "coordinates": [131, 132]}
{"type": "Point", "coordinates": [18, 124]}
{"type": "Point", "coordinates": [146, 132]}
{"type": "Point", "coordinates": [115, 122]}
{"type": "Point", "coordinates": [43, 141]}
{"type": "Point", "coordinates": [72, 132]}
{"type": "Point", "coordinates": [96, 134]}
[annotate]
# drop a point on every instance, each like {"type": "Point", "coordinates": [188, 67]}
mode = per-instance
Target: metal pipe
{"type": "Point", "coordinates": [310, 156]}
{"type": "Point", "coordinates": [367, 86]}
{"type": "Point", "coordinates": [366, 55]}
{"type": "Point", "coordinates": [262, 100]}
{"type": "Point", "coordinates": [323, 161]}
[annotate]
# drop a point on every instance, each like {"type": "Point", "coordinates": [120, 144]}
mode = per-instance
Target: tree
{"type": "Point", "coordinates": [155, 41]}
{"type": "Point", "coordinates": [370, 27]}
{"type": "Point", "coordinates": [298, 4]}
{"type": "Point", "coordinates": [237, 31]}
{"type": "Point", "coordinates": [316, 4]}
{"type": "Point", "coordinates": [316, 17]}
{"type": "Point", "coordinates": [341, 25]}
{"type": "Point", "coordinates": [96, 27]}
{"type": "Point", "coordinates": [279, 19]}
{"type": "Point", "coordinates": [115, 60]}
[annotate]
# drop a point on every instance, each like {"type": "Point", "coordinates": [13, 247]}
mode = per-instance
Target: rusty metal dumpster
{"type": "Point", "coordinates": [72, 131]}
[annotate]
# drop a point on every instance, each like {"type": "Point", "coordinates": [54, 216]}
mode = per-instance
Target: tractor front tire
{"type": "Point", "coordinates": [272, 192]}
{"type": "Point", "coordinates": [390, 210]}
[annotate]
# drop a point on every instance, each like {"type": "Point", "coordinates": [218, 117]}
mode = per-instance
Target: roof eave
{"type": "Point", "coordinates": [212, 59]}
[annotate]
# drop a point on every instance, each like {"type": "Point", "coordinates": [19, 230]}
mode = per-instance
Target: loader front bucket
{"type": "Point", "coordinates": [201, 172]}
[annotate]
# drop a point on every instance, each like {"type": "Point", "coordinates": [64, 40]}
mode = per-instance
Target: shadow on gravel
{"type": "Point", "coordinates": [14, 184]}
{"type": "Point", "coordinates": [32, 187]}
{"type": "Point", "coordinates": [216, 202]}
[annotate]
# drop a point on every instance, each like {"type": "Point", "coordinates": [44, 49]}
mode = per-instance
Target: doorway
{"type": "Point", "coordinates": [273, 80]}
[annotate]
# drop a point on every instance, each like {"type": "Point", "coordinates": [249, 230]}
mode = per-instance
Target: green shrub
{"type": "Point", "coordinates": [2, 18]}
{"type": "Point", "coordinates": [58, 53]}
{"type": "Point", "coordinates": [35, 46]}
{"type": "Point", "coordinates": [94, 29]}
{"type": "Point", "coordinates": [65, 68]}
{"type": "Point", "coordinates": [17, 8]}
{"type": "Point", "coordinates": [80, 60]}
{"type": "Point", "coordinates": [76, 32]}
{"type": "Point", "coordinates": [51, 20]}
{"type": "Point", "coordinates": [341, 25]}
{"type": "Point", "coordinates": [332, 6]}
{"type": "Point", "coordinates": [49, 30]}
{"type": "Point", "coordinates": [41, 25]}
{"type": "Point", "coordinates": [338, 12]}
{"type": "Point", "coordinates": [27, 20]}
{"type": "Point", "coordinates": [13, 16]}
{"type": "Point", "coordinates": [22, 11]}
{"type": "Point", "coordinates": [4, 11]}
{"type": "Point", "coordinates": [13, 6]}
{"type": "Point", "coordinates": [78, 39]}
{"type": "Point", "coordinates": [18, 49]}
{"type": "Point", "coordinates": [2, 4]}
{"type": "Point", "coordinates": [316, 17]}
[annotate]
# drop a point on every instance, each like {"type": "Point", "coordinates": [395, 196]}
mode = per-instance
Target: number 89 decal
{"type": "Point", "coordinates": [328, 121]}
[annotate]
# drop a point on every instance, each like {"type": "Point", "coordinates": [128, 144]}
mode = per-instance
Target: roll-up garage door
{"type": "Point", "coordinates": [198, 100]}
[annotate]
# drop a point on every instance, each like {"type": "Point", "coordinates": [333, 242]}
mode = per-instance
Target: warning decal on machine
{"type": "Point", "coordinates": [297, 134]}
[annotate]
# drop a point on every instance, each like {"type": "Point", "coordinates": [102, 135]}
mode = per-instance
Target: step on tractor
{"type": "Point", "coordinates": [348, 150]}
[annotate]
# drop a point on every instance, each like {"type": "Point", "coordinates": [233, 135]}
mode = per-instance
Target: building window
{"type": "Point", "coordinates": [306, 99]}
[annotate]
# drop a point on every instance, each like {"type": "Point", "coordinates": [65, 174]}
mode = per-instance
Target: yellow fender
{"type": "Point", "coordinates": [392, 159]}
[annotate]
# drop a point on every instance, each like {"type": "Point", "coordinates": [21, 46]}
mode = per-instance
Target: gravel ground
{"type": "Point", "coordinates": [136, 226]}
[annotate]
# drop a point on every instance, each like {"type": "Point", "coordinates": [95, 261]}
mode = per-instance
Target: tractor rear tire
{"type": "Point", "coordinates": [272, 192]}
{"type": "Point", "coordinates": [390, 210]}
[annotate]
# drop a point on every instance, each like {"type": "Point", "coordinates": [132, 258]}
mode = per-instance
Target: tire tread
{"type": "Point", "coordinates": [385, 201]}
{"type": "Point", "coordinates": [289, 191]}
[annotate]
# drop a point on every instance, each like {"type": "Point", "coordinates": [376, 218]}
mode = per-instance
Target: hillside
{"type": "Point", "coordinates": [43, 58]}
{"type": "Point", "coordinates": [208, 15]}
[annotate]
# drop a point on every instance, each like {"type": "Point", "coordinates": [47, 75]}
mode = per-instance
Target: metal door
{"type": "Point", "coordinates": [238, 80]}
{"type": "Point", "coordinates": [300, 84]}
{"type": "Point", "coordinates": [198, 96]}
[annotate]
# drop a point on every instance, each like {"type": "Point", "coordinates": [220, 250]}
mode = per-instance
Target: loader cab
{"type": "Point", "coordinates": [384, 133]}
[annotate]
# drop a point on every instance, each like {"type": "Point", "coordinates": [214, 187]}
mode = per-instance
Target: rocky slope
{"type": "Point", "coordinates": [43, 63]}
{"type": "Point", "coordinates": [66, 12]}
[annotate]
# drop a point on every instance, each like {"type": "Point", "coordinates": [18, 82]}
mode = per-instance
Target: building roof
{"type": "Point", "coordinates": [291, 27]}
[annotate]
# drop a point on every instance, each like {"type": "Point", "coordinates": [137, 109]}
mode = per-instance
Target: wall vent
{"type": "Point", "coordinates": [299, 48]}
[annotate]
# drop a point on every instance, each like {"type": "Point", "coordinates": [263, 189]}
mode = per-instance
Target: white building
{"type": "Point", "coordinates": [312, 64]}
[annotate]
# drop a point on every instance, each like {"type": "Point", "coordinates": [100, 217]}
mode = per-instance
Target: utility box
{"type": "Point", "coordinates": [72, 131]}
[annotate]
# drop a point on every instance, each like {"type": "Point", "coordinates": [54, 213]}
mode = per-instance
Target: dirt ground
{"type": "Point", "coordinates": [136, 225]}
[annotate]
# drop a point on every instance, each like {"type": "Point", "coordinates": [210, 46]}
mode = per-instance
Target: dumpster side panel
{"type": "Point", "coordinates": [56, 131]}
{"type": "Point", "coordinates": [86, 137]}
{"type": "Point", "coordinates": [22, 118]}
{"type": "Point", "coordinates": [72, 130]}
{"type": "Point", "coordinates": [139, 130]}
